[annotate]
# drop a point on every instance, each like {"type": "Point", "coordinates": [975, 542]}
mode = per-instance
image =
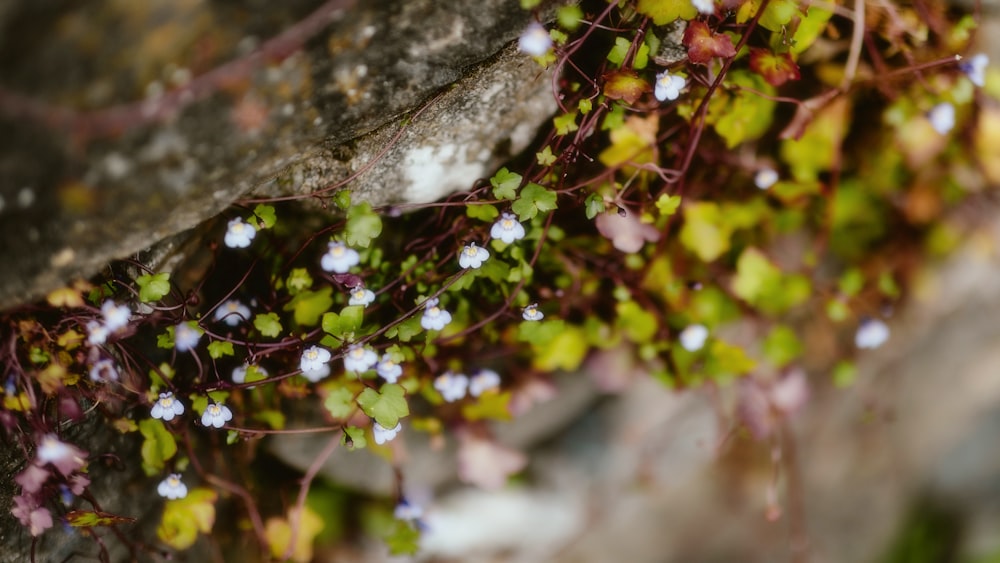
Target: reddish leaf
{"type": "Point", "coordinates": [776, 69]}
{"type": "Point", "coordinates": [624, 85]}
{"type": "Point", "coordinates": [703, 45]}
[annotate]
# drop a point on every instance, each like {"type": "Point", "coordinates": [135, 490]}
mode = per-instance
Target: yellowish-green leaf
{"type": "Point", "coordinates": [663, 12]}
{"type": "Point", "coordinates": [706, 231]}
{"type": "Point", "coordinates": [158, 445]}
{"type": "Point", "coordinates": [278, 532]}
{"type": "Point", "coordinates": [184, 518]}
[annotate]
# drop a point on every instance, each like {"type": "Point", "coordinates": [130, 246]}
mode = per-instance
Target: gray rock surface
{"type": "Point", "coordinates": [116, 140]}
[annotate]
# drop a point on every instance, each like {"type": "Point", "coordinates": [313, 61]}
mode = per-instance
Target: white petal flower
{"type": "Point", "coordinates": [483, 381]}
{"type": "Point", "coordinates": [359, 359]}
{"type": "Point", "coordinates": [406, 511]}
{"type": "Point", "coordinates": [975, 68]}
{"type": "Point", "coordinates": [693, 337]}
{"type": "Point", "coordinates": [382, 434]}
{"type": "Point", "coordinates": [435, 318]}
{"type": "Point", "coordinates": [765, 178]}
{"type": "Point", "coordinates": [104, 370]}
{"type": "Point", "coordinates": [67, 458]}
{"type": "Point", "coordinates": [172, 487]}
{"type": "Point", "coordinates": [339, 258]}
{"type": "Point", "coordinates": [388, 369]}
{"type": "Point", "coordinates": [97, 333]}
{"type": "Point", "coordinates": [216, 415]}
{"type": "Point", "coordinates": [167, 407]}
{"type": "Point", "coordinates": [186, 337]}
{"type": "Point", "coordinates": [706, 7]}
{"type": "Point", "coordinates": [668, 86]}
{"type": "Point", "coordinates": [942, 117]}
{"type": "Point", "coordinates": [871, 334]}
{"type": "Point", "coordinates": [531, 313]}
{"type": "Point", "coordinates": [239, 234]}
{"type": "Point", "coordinates": [361, 296]}
{"type": "Point", "coordinates": [472, 256]}
{"type": "Point", "coordinates": [232, 312]}
{"type": "Point", "coordinates": [314, 358]}
{"type": "Point", "coordinates": [507, 228]}
{"type": "Point", "coordinates": [317, 374]}
{"type": "Point", "coordinates": [452, 386]}
{"type": "Point", "coordinates": [535, 40]}
{"type": "Point", "coordinates": [115, 316]}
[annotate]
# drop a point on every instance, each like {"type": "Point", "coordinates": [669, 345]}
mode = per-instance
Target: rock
{"type": "Point", "coordinates": [114, 141]}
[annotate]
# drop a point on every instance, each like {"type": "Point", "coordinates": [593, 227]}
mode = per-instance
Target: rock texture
{"type": "Point", "coordinates": [116, 140]}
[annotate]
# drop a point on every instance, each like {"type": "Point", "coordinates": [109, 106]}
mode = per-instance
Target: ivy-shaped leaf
{"type": "Point", "coordinates": [482, 212]}
{"type": "Point", "coordinates": [308, 306]}
{"type": "Point", "coordinates": [706, 231]}
{"type": "Point", "coordinates": [298, 280]}
{"type": "Point", "coordinates": [340, 403]}
{"type": "Point", "coordinates": [158, 445]}
{"type": "Point", "coordinates": [704, 45]}
{"type": "Point", "coordinates": [775, 68]}
{"type": "Point", "coordinates": [354, 438]}
{"type": "Point", "coordinates": [363, 225]}
{"type": "Point", "coordinates": [625, 85]}
{"type": "Point", "coordinates": [667, 204]}
{"type": "Point", "coordinates": [268, 324]}
{"type": "Point", "coordinates": [266, 216]}
{"type": "Point", "coordinates": [183, 518]}
{"type": "Point", "coordinates": [219, 349]}
{"type": "Point", "coordinates": [663, 12]}
{"type": "Point", "coordinates": [534, 199]}
{"type": "Point", "coordinates": [153, 287]}
{"type": "Point", "coordinates": [386, 406]}
{"type": "Point", "coordinates": [594, 205]}
{"type": "Point", "coordinates": [505, 184]}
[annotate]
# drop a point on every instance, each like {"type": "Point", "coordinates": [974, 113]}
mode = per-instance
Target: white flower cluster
{"type": "Point", "coordinates": [114, 317]}
{"type": "Point", "coordinates": [239, 234]}
{"type": "Point", "coordinates": [313, 363]}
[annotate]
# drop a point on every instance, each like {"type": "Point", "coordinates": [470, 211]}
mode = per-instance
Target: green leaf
{"type": "Point", "coordinates": [706, 231]}
{"type": "Point", "coordinates": [727, 360]}
{"type": "Point", "coordinates": [404, 539]}
{"type": "Point", "coordinates": [778, 14]}
{"type": "Point", "coordinates": [271, 417]}
{"type": "Point", "coordinates": [569, 17]}
{"type": "Point", "coordinates": [92, 518]}
{"type": "Point", "coordinates": [490, 406]}
{"type": "Point", "coordinates": [594, 205]}
{"type": "Point", "coordinates": [534, 199]}
{"type": "Point", "coordinates": [545, 157]}
{"type": "Point", "coordinates": [363, 225]}
{"type": "Point", "coordinates": [158, 445]}
{"type": "Point", "coordinates": [183, 518]}
{"type": "Point", "coordinates": [344, 324]}
{"type": "Point", "coordinates": [266, 215]}
{"type": "Point", "coordinates": [782, 346]}
{"type": "Point", "coordinates": [340, 403]}
{"type": "Point", "coordinates": [844, 374]}
{"type": "Point", "coordinates": [153, 287]}
{"type": "Point", "coordinates": [663, 12]}
{"type": "Point", "coordinates": [406, 330]}
{"type": "Point", "coordinates": [386, 406]}
{"type": "Point", "coordinates": [585, 106]}
{"type": "Point", "coordinates": [342, 199]}
{"type": "Point", "coordinates": [667, 204]}
{"type": "Point", "coordinates": [505, 184]}
{"type": "Point", "coordinates": [357, 436]}
{"type": "Point", "coordinates": [219, 349]}
{"type": "Point", "coordinates": [818, 149]}
{"type": "Point", "coordinates": [851, 282]}
{"type": "Point", "coordinates": [565, 123]}
{"type": "Point", "coordinates": [741, 115]}
{"type": "Point", "coordinates": [268, 324]}
{"type": "Point", "coordinates": [540, 333]}
{"type": "Point", "coordinates": [565, 352]}
{"type": "Point", "coordinates": [639, 325]}
{"type": "Point", "coordinates": [482, 212]}
{"type": "Point", "coordinates": [298, 281]}
{"type": "Point", "coordinates": [756, 276]}
{"type": "Point", "coordinates": [308, 306]}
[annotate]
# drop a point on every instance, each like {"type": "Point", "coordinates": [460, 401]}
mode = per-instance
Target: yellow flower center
{"type": "Point", "coordinates": [214, 410]}
{"type": "Point", "coordinates": [434, 311]}
{"type": "Point", "coordinates": [337, 250]}
{"type": "Point", "coordinates": [167, 401]}
{"type": "Point", "coordinates": [507, 224]}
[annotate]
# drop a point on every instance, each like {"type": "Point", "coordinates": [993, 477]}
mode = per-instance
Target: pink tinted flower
{"type": "Point", "coordinates": [32, 516]}
{"type": "Point", "coordinates": [67, 458]}
{"type": "Point", "coordinates": [626, 232]}
{"type": "Point", "coordinates": [487, 464]}
{"type": "Point", "coordinates": [32, 478]}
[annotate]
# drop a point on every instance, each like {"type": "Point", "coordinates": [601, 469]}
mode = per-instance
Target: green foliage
{"type": "Point", "coordinates": [386, 406]}
{"type": "Point", "coordinates": [782, 347]}
{"type": "Point", "coordinates": [363, 225]}
{"type": "Point", "coordinates": [354, 437]}
{"type": "Point", "coordinates": [404, 539]}
{"type": "Point", "coordinates": [706, 231]}
{"type": "Point", "coordinates": [618, 53]}
{"type": "Point", "coordinates": [153, 287]}
{"type": "Point", "coordinates": [298, 280]}
{"type": "Point", "coordinates": [158, 445]}
{"type": "Point", "coordinates": [505, 184]}
{"type": "Point", "coordinates": [308, 306]}
{"type": "Point", "coordinates": [762, 284]}
{"type": "Point", "coordinates": [266, 216]}
{"type": "Point", "coordinates": [92, 518]}
{"type": "Point", "coordinates": [184, 518]}
{"type": "Point", "coordinates": [668, 204]}
{"type": "Point", "coordinates": [663, 12]}
{"type": "Point", "coordinates": [486, 213]}
{"type": "Point", "coordinates": [268, 324]}
{"type": "Point", "coordinates": [340, 402]}
{"type": "Point", "coordinates": [534, 199]}
{"type": "Point", "coordinates": [345, 324]}
{"type": "Point", "coordinates": [594, 205]}
{"type": "Point", "coordinates": [219, 349]}
{"type": "Point", "coordinates": [569, 17]}
{"type": "Point", "coordinates": [638, 324]}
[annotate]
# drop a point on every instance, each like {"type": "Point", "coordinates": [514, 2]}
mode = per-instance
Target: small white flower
{"type": "Point", "coordinates": [871, 334]}
{"type": "Point", "coordinates": [388, 369]}
{"type": "Point", "coordinates": [472, 256]}
{"type": "Point", "coordinates": [97, 333]}
{"type": "Point", "coordinates": [104, 370]}
{"type": "Point", "coordinates": [942, 117]}
{"type": "Point", "coordinates": [668, 86]}
{"type": "Point", "coordinates": [361, 296]}
{"type": "Point", "coordinates": [359, 359]}
{"type": "Point", "coordinates": [240, 372]}
{"type": "Point", "coordinates": [115, 316]}
{"type": "Point", "coordinates": [383, 435]}
{"type": "Point", "coordinates": [339, 258]}
{"type": "Point", "coordinates": [975, 68]}
{"type": "Point", "coordinates": [314, 363]}
{"type": "Point", "coordinates": [693, 337]}
{"type": "Point", "coordinates": [535, 40]}
{"type": "Point", "coordinates": [531, 313]}
{"type": "Point", "coordinates": [452, 386]}
{"type": "Point", "coordinates": [765, 178]}
{"type": "Point", "coordinates": [483, 381]}
{"type": "Point", "coordinates": [239, 234]}
{"type": "Point", "coordinates": [216, 415]}
{"type": "Point", "coordinates": [67, 458]}
{"type": "Point", "coordinates": [706, 7]}
{"type": "Point", "coordinates": [435, 318]}
{"type": "Point", "coordinates": [172, 487]}
{"type": "Point", "coordinates": [507, 228]}
{"type": "Point", "coordinates": [186, 337]}
{"type": "Point", "coordinates": [232, 312]}
{"type": "Point", "coordinates": [167, 407]}
{"type": "Point", "coordinates": [406, 511]}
